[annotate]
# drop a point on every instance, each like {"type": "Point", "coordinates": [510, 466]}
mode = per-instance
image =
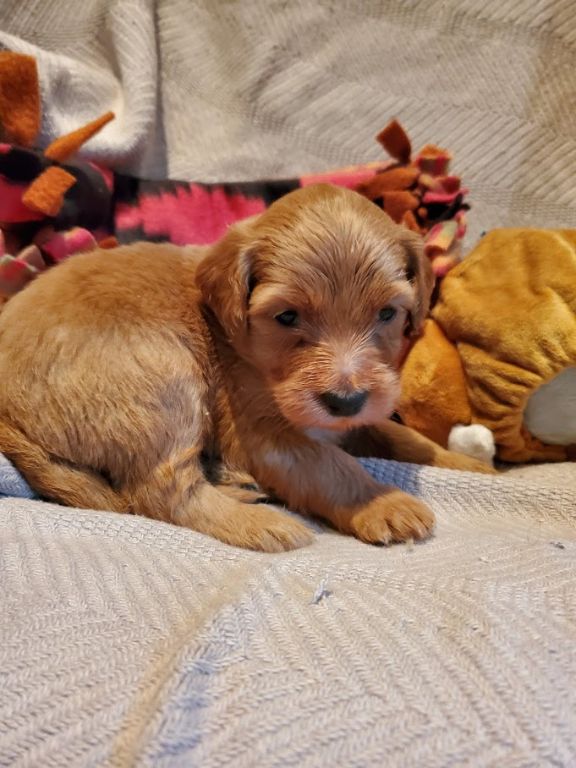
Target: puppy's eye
{"type": "Point", "coordinates": [287, 318]}
{"type": "Point", "coordinates": [387, 314]}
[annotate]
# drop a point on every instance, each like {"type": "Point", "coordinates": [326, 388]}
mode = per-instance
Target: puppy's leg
{"type": "Point", "coordinates": [57, 480]}
{"type": "Point", "coordinates": [323, 480]}
{"type": "Point", "coordinates": [177, 492]}
{"type": "Point", "coordinates": [390, 440]}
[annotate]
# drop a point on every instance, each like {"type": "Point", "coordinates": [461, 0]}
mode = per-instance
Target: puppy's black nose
{"type": "Point", "coordinates": [343, 405]}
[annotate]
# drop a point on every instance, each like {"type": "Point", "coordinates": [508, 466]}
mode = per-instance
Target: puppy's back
{"type": "Point", "coordinates": [134, 282]}
{"type": "Point", "coordinates": [89, 345]}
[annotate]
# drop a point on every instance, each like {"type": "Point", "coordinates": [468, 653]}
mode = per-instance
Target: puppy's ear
{"type": "Point", "coordinates": [419, 273]}
{"type": "Point", "coordinates": [224, 279]}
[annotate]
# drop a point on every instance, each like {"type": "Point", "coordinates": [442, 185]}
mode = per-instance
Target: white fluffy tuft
{"type": "Point", "coordinates": [473, 440]}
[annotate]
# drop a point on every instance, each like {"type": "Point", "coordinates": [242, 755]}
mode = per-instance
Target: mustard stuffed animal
{"type": "Point", "coordinates": [494, 372]}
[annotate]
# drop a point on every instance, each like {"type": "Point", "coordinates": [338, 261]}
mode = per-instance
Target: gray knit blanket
{"type": "Point", "coordinates": [125, 641]}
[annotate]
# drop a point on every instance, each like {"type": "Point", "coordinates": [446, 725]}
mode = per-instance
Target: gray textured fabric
{"type": "Point", "coordinates": [220, 90]}
{"type": "Point", "coordinates": [11, 481]}
{"type": "Point", "coordinates": [124, 641]}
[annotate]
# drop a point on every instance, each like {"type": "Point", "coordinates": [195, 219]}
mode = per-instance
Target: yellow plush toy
{"type": "Point", "coordinates": [494, 373]}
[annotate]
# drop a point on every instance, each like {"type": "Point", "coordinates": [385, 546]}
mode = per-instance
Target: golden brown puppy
{"type": "Point", "coordinates": [160, 381]}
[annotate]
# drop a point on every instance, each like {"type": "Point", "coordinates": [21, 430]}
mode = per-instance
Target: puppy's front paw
{"type": "Point", "coordinates": [393, 516]}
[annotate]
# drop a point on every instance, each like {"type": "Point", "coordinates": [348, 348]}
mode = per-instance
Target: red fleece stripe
{"type": "Point", "coordinates": [106, 174]}
{"type": "Point", "coordinates": [345, 177]}
{"type": "Point", "coordinates": [192, 215]}
{"type": "Point", "coordinates": [12, 209]}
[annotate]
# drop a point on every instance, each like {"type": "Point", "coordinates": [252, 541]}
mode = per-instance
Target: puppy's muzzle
{"type": "Point", "coordinates": [343, 405]}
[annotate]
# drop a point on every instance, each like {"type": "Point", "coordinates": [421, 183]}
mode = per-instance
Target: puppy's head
{"type": "Point", "coordinates": [318, 294]}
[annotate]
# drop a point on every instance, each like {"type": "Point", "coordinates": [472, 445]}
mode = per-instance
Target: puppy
{"type": "Point", "coordinates": [167, 382]}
